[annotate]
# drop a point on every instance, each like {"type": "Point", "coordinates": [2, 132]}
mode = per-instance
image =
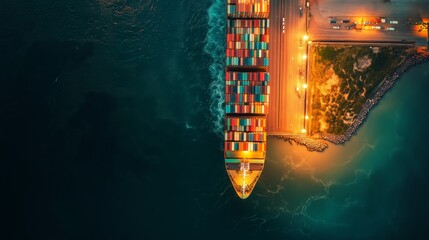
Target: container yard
{"type": "Point", "coordinates": [246, 92]}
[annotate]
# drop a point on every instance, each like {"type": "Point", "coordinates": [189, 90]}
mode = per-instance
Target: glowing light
{"type": "Point", "coordinates": [305, 86]}
{"type": "Point", "coordinates": [305, 37]}
{"type": "Point", "coordinates": [245, 153]}
{"type": "Point", "coordinates": [303, 130]}
{"type": "Point", "coordinates": [306, 117]}
{"type": "Point", "coordinates": [304, 56]}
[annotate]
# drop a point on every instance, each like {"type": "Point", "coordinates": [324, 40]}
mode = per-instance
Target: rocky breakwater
{"type": "Point", "coordinates": [312, 144]}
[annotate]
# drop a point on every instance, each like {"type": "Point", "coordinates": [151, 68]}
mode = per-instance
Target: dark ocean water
{"type": "Point", "coordinates": [110, 129]}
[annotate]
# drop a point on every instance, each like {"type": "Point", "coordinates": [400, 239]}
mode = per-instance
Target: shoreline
{"type": "Point", "coordinates": [374, 100]}
{"type": "Point", "coordinates": [317, 142]}
{"type": "Point", "coordinates": [312, 144]}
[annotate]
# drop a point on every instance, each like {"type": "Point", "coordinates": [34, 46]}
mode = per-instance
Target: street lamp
{"type": "Point", "coordinates": [305, 37]}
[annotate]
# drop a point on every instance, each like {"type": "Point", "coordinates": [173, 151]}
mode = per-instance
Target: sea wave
{"type": "Point", "coordinates": [215, 47]}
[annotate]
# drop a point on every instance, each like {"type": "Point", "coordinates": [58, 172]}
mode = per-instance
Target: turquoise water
{"type": "Point", "coordinates": [373, 185]}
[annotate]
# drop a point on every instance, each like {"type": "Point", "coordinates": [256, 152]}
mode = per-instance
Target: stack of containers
{"type": "Point", "coordinates": [247, 43]}
{"type": "Point", "coordinates": [246, 92]}
{"type": "Point", "coordinates": [247, 79]}
{"type": "Point", "coordinates": [248, 8]}
{"type": "Point", "coordinates": [245, 134]}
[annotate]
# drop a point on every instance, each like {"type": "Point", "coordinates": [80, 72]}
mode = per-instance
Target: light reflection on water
{"type": "Point", "coordinates": [319, 189]}
{"type": "Point", "coordinates": [356, 189]}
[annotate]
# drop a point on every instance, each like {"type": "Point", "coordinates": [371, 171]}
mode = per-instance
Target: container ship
{"type": "Point", "coordinates": [246, 92]}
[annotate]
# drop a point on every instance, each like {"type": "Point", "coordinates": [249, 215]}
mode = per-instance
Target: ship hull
{"type": "Point", "coordinates": [246, 92]}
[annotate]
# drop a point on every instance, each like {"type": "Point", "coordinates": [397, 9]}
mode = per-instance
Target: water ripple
{"type": "Point", "coordinates": [215, 47]}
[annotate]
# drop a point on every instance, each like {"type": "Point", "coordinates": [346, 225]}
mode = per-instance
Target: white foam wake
{"type": "Point", "coordinates": [215, 47]}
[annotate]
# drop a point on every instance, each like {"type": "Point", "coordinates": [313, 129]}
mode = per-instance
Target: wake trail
{"type": "Point", "coordinates": [215, 48]}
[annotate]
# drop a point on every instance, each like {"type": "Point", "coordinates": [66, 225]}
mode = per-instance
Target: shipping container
{"type": "Point", "coordinates": [247, 61]}
{"type": "Point", "coordinates": [247, 98]}
{"type": "Point", "coordinates": [248, 8]}
{"type": "Point", "coordinates": [245, 136]}
{"type": "Point", "coordinates": [245, 121]}
{"type": "Point", "coordinates": [248, 23]}
{"type": "Point", "coordinates": [247, 76]}
{"type": "Point", "coordinates": [250, 108]}
{"type": "Point", "coordinates": [245, 124]}
{"type": "Point", "coordinates": [245, 146]}
{"type": "Point", "coordinates": [246, 90]}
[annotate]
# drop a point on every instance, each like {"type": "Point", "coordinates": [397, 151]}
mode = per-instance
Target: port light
{"type": "Point", "coordinates": [245, 152]}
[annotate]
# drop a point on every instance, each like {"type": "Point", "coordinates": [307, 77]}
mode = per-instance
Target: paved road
{"type": "Point", "coordinates": [286, 110]}
{"type": "Point", "coordinates": [367, 9]}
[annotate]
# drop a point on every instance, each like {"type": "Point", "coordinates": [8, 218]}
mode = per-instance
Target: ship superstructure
{"type": "Point", "coordinates": [246, 92]}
